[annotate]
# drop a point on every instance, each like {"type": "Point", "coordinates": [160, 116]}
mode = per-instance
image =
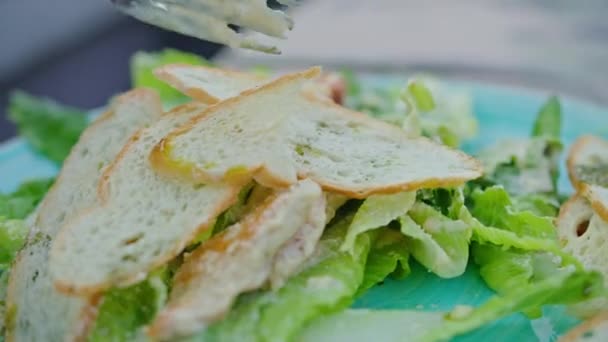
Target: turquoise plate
{"type": "Point", "coordinates": [502, 112]}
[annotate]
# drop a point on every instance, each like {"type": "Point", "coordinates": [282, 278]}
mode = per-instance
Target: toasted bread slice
{"type": "Point", "coordinates": [238, 260]}
{"type": "Point", "coordinates": [276, 135]}
{"type": "Point", "coordinates": [584, 234]}
{"type": "Point", "coordinates": [592, 330]}
{"type": "Point", "coordinates": [143, 221]}
{"type": "Point", "coordinates": [588, 171]}
{"type": "Point", "coordinates": [211, 85]}
{"type": "Point", "coordinates": [207, 84]}
{"type": "Point", "coordinates": [39, 312]}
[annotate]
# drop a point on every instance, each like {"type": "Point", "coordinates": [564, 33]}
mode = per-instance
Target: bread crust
{"type": "Point", "coordinates": [166, 74]}
{"type": "Point", "coordinates": [585, 189]}
{"type": "Point", "coordinates": [88, 305]}
{"type": "Point", "coordinates": [69, 288]}
{"type": "Point", "coordinates": [579, 331]}
{"type": "Point", "coordinates": [162, 161]}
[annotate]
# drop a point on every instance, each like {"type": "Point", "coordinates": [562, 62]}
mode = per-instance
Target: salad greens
{"type": "Point", "coordinates": [377, 211]}
{"type": "Point", "coordinates": [413, 325]}
{"type": "Point", "coordinates": [436, 241]}
{"type": "Point", "coordinates": [502, 222]}
{"type": "Point", "coordinates": [125, 311]}
{"type": "Point", "coordinates": [21, 202]}
{"type": "Point", "coordinates": [529, 167]}
{"type": "Point", "coordinates": [50, 128]}
{"type": "Point", "coordinates": [143, 64]}
{"type": "Point", "coordinates": [388, 256]}
{"type": "Point", "coordinates": [12, 238]}
{"type": "Point", "coordinates": [327, 285]}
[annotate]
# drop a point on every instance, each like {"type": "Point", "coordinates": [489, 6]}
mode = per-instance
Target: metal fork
{"type": "Point", "coordinates": [210, 19]}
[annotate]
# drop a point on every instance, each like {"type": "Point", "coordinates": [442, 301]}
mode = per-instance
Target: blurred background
{"type": "Point", "coordinates": [77, 52]}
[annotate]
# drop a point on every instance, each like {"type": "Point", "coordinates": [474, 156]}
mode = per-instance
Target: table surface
{"type": "Point", "coordinates": [556, 44]}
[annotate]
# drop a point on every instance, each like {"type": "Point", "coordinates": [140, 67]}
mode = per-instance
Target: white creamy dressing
{"type": "Point", "coordinates": [209, 19]}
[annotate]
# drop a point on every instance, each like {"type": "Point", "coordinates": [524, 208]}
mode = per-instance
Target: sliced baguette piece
{"type": "Point", "coordinates": [39, 312]}
{"type": "Point", "coordinates": [584, 234]}
{"type": "Point", "coordinates": [276, 135]}
{"type": "Point", "coordinates": [592, 330]}
{"type": "Point", "coordinates": [240, 259]}
{"type": "Point", "coordinates": [143, 220]}
{"type": "Point", "coordinates": [588, 153]}
{"type": "Point", "coordinates": [211, 85]}
{"type": "Point", "coordinates": [207, 84]}
{"type": "Point", "coordinates": [588, 170]}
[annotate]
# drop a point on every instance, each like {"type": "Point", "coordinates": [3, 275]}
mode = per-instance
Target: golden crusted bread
{"type": "Point", "coordinates": [592, 330]}
{"type": "Point", "coordinates": [588, 170]}
{"type": "Point", "coordinates": [143, 220]}
{"type": "Point", "coordinates": [240, 259]}
{"type": "Point", "coordinates": [40, 312]}
{"type": "Point", "coordinates": [207, 84]}
{"type": "Point", "coordinates": [276, 135]}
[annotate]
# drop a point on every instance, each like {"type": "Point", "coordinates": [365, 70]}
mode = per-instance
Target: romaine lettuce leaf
{"type": "Point", "coordinates": [504, 270]}
{"type": "Point", "coordinates": [425, 107]}
{"type": "Point", "coordinates": [442, 114]}
{"type": "Point", "coordinates": [513, 248]}
{"type": "Point", "coordinates": [562, 288]}
{"type": "Point", "coordinates": [327, 285]}
{"type": "Point", "coordinates": [12, 237]}
{"type": "Point", "coordinates": [425, 326]}
{"type": "Point", "coordinates": [528, 166]}
{"type": "Point", "coordinates": [548, 122]}
{"type": "Point", "coordinates": [362, 325]}
{"type": "Point", "coordinates": [375, 212]}
{"type": "Point", "coordinates": [388, 256]}
{"type": "Point", "coordinates": [493, 207]}
{"type": "Point", "coordinates": [23, 201]}
{"type": "Point", "coordinates": [50, 128]}
{"type": "Point", "coordinates": [538, 204]}
{"type": "Point", "coordinates": [144, 63]}
{"type": "Point", "coordinates": [436, 241]}
{"type": "Point", "coordinates": [125, 311]}
{"type": "Point", "coordinates": [3, 289]}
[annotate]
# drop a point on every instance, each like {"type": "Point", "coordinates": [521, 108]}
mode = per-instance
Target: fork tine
{"type": "Point", "coordinates": [208, 20]}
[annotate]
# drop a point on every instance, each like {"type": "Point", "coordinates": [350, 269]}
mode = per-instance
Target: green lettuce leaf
{"type": "Point", "coordinates": [235, 212]}
{"type": "Point", "coordinates": [500, 223]}
{"type": "Point", "coordinates": [423, 326]}
{"type": "Point", "coordinates": [528, 166]}
{"type": "Point", "coordinates": [362, 325]}
{"type": "Point", "coordinates": [438, 242]}
{"type": "Point", "coordinates": [493, 207]}
{"type": "Point", "coordinates": [327, 285]}
{"type": "Point", "coordinates": [50, 128]}
{"type": "Point", "coordinates": [3, 289]}
{"type": "Point", "coordinates": [562, 288]}
{"type": "Point", "coordinates": [12, 237]}
{"type": "Point", "coordinates": [514, 248]}
{"type": "Point", "coordinates": [549, 120]}
{"type": "Point", "coordinates": [23, 201]}
{"type": "Point", "coordinates": [387, 256]}
{"type": "Point", "coordinates": [375, 212]}
{"type": "Point", "coordinates": [504, 270]}
{"type": "Point", "coordinates": [425, 107]}
{"type": "Point", "coordinates": [440, 113]}
{"type": "Point", "coordinates": [125, 311]}
{"type": "Point", "coordinates": [537, 204]}
{"type": "Point", "coordinates": [421, 96]}
{"type": "Point", "coordinates": [144, 63]}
